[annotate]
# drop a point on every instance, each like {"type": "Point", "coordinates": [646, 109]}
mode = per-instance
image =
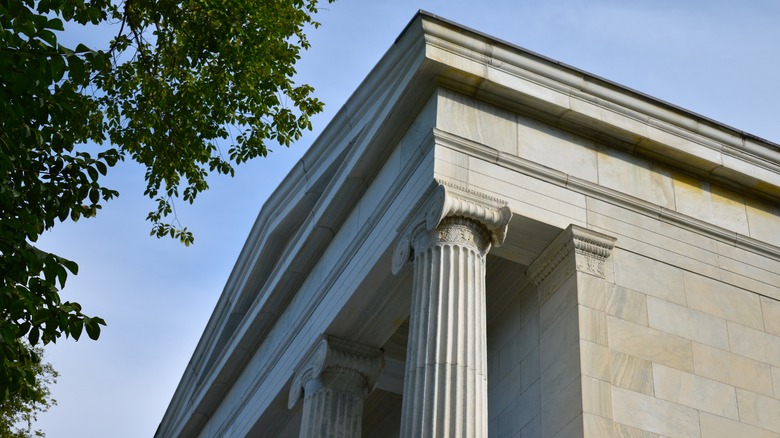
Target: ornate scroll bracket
{"type": "Point", "coordinates": [337, 355]}
{"type": "Point", "coordinates": [575, 249]}
{"type": "Point", "coordinates": [448, 200]}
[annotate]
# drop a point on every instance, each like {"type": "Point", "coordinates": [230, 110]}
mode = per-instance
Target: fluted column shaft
{"type": "Point", "coordinates": [335, 378]}
{"type": "Point", "coordinates": [445, 390]}
{"type": "Point", "coordinates": [333, 405]}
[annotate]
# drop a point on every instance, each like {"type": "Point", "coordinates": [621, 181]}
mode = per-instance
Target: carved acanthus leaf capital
{"type": "Point", "coordinates": [575, 249]}
{"type": "Point", "coordinates": [336, 355]}
{"type": "Point", "coordinates": [447, 201]}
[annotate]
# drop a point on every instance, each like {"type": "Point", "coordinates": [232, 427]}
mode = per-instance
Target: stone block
{"type": "Point", "coordinates": [520, 412]}
{"type": "Point", "coordinates": [648, 276]}
{"type": "Point", "coordinates": [509, 357]}
{"type": "Point", "coordinates": [650, 344]}
{"type": "Point", "coordinates": [635, 176]}
{"type": "Point", "coordinates": [592, 291]}
{"type": "Point", "coordinates": [530, 368]}
{"type": "Point", "coordinates": [593, 325]}
{"type": "Point", "coordinates": [709, 203]}
{"type": "Point", "coordinates": [687, 323]}
{"type": "Point", "coordinates": [745, 282]}
{"type": "Point", "coordinates": [597, 427]}
{"type": "Point", "coordinates": [556, 341]}
{"type": "Point", "coordinates": [594, 360]}
{"type": "Point", "coordinates": [561, 409]}
{"type": "Point", "coordinates": [655, 247]}
{"type": "Point", "coordinates": [557, 149]}
{"type": "Point", "coordinates": [694, 391]}
{"type": "Point", "coordinates": [503, 328]}
{"type": "Point", "coordinates": [504, 392]}
{"type": "Point", "coordinates": [533, 429]}
{"type": "Point", "coordinates": [493, 374]}
{"type": "Point", "coordinates": [627, 304]}
{"type": "Point", "coordinates": [755, 344]}
{"type": "Point", "coordinates": [451, 165]}
{"type": "Point", "coordinates": [562, 371]}
{"type": "Point", "coordinates": [756, 274]}
{"type": "Point", "coordinates": [631, 372]}
{"type": "Point", "coordinates": [681, 146]}
{"type": "Point", "coordinates": [776, 381]}
{"type": "Point", "coordinates": [653, 231]}
{"type": "Point", "coordinates": [723, 300]}
{"type": "Point", "coordinates": [477, 121]}
{"type": "Point", "coordinates": [715, 426]}
{"type": "Point", "coordinates": [537, 199]}
{"type": "Point", "coordinates": [528, 338]}
{"type": "Point", "coordinates": [653, 414]}
{"type": "Point", "coordinates": [748, 257]}
{"type": "Point", "coordinates": [758, 410]}
{"type": "Point", "coordinates": [625, 431]}
{"type": "Point", "coordinates": [596, 397]}
{"type": "Point", "coordinates": [732, 369]}
{"type": "Point", "coordinates": [574, 429]}
{"type": "Point", "coordinates": [558, 305]}
{"type": "Point", "coordinates": [493, 427]}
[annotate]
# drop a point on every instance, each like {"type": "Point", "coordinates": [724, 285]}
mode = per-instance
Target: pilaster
{"type": "Point", "coordinates": [576, 249]}
{"type": "Point", "coordinates": [334, 379]}
{"type": "Point", "coordinates": [572, 274]}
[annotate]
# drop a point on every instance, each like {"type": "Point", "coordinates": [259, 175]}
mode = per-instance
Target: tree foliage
{"type": "Point", "coordinates": [185, 87]}
{"type": "Point", "coordinates": [19, 411]}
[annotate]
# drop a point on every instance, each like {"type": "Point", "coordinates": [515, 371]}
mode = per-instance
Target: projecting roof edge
{"type": "Point", "coordinates": [508, 75]}
{"type": "Point", "coordinates": [594, 77]}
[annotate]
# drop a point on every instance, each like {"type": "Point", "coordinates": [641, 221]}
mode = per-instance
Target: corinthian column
{"type": "Point", "coordinates": [445, 390]}
{"type": "Point", "coordinates": [335, 378]}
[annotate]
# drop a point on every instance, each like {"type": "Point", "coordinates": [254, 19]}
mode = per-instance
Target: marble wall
{"type": "Point", "coordinates": [681, 335]}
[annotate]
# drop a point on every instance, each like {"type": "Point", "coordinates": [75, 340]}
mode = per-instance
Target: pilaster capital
{"type": "Point", "coordinates": [335, 355]}
{"type": "Point", "coordinates": [449, 201]}
{"type": "Point", "coordinates": [575, 249]}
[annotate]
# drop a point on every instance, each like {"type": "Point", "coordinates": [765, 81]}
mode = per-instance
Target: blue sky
{"type": "Point", "coordinates": [717, 58]}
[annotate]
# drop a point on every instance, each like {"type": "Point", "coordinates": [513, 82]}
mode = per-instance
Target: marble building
{"type": "Point", "coordinates": [486, 242]}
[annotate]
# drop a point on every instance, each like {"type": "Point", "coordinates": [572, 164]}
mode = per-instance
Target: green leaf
{"type": "Point", "coordinates": [94, 195]}
{"type": "Point", "coordinates": [33, 335]}
{"type": "Point", "coordinates": [55, 24]}
{"type": "Point", "coordinates": [93, 329]}
{"type": "Point", "coordinates": [57, 68]}
{"type": "Point", "coordinates": [76, 328]}
{"type": "Point", "coordinates": [76, 69]}
{"type": "Point", "coordinates": [49, 37]}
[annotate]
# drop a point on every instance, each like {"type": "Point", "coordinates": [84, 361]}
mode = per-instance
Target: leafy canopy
{"type": "Point", "coordinates": [21, 409]}
{"type": "Point", "coordinates": [186, 88]}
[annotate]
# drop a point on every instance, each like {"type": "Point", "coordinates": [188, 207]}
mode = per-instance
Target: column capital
{"type": "Point", "coordinates": [335, 355]}
{"type": "Point", "coordinates": [575, 249]}
{"type": "Point", "coordinates": [449, 200]}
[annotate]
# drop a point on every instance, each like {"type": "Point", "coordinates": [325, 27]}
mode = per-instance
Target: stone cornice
{"type": "Point", "coordinates": [331, 354]}
{"type": "Point", "coordinates": [449, 200]}
{"type": "Point", "coordinates": [575, 249]}
{"type": "Point", "coordinates": [581, 99]}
